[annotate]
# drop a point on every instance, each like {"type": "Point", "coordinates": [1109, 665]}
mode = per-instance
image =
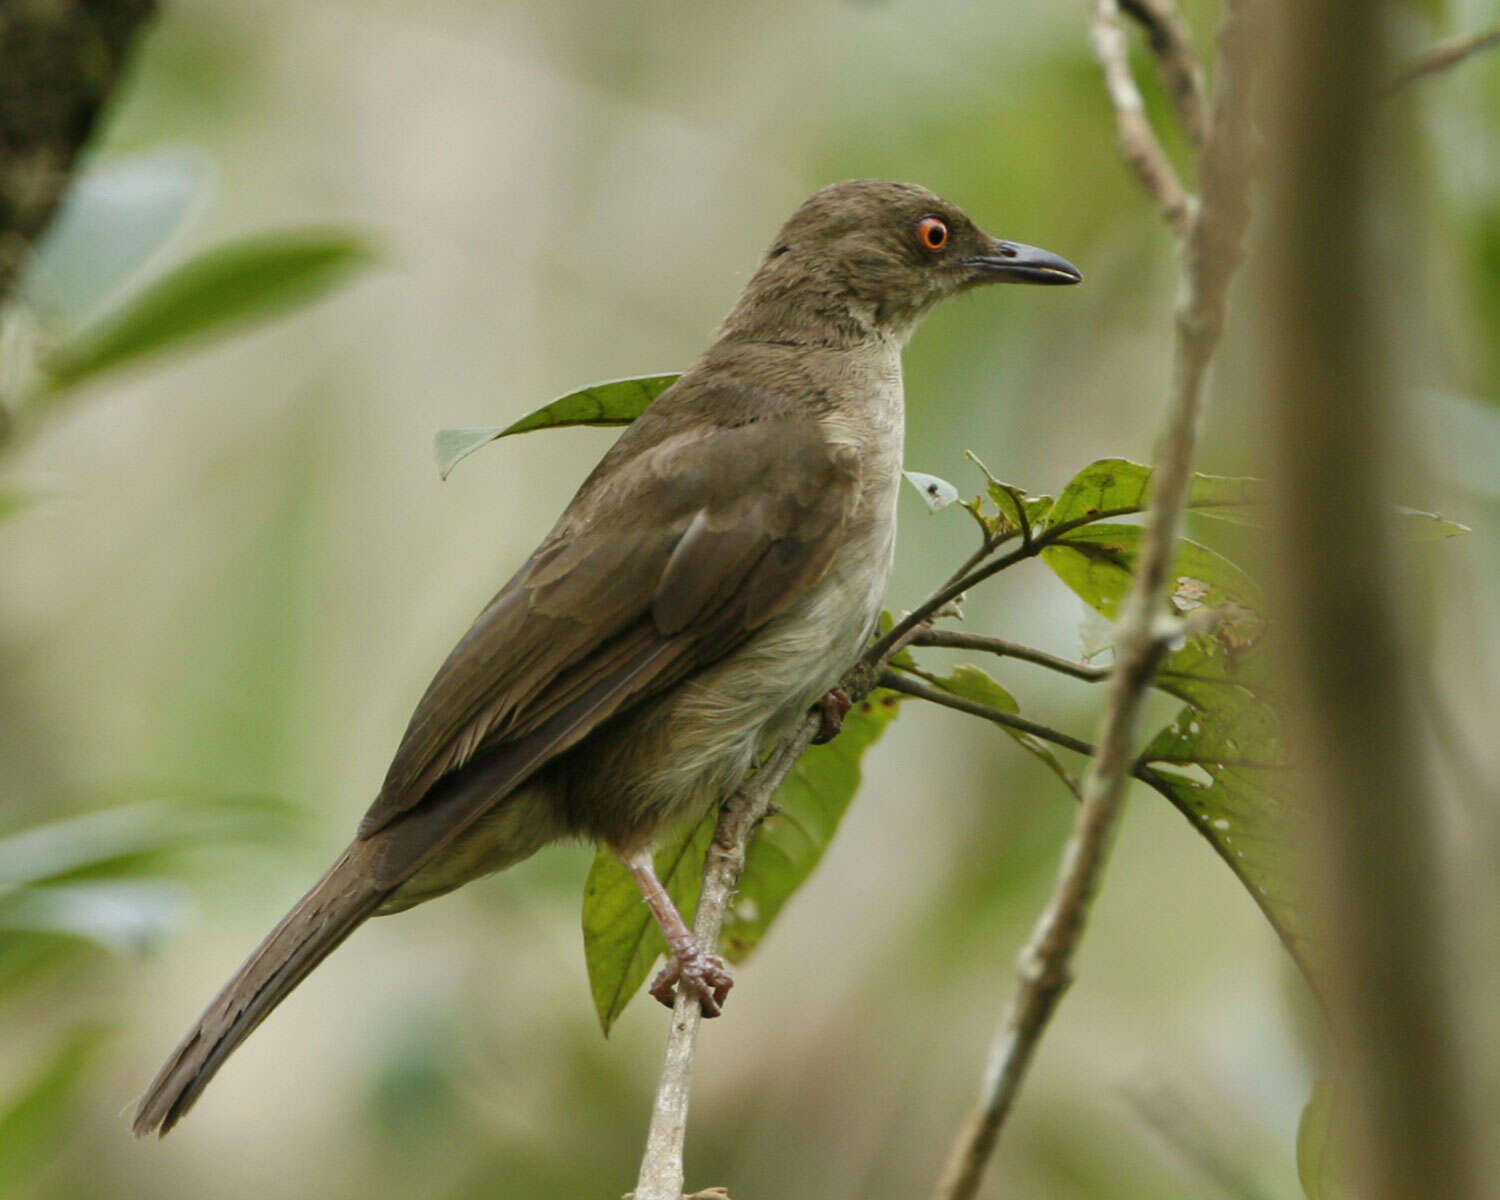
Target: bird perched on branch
{"type": "Point", "coordinates": [711, 581]}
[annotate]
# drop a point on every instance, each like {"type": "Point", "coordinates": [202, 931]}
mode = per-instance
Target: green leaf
{"type": "Point", "coordinates": [614, 402]}
{"type": "Point", "coordinates": [936, 493]}
{"type": "Point", "coordinates": [974, 684]}
{"type": "Point", "coordinates": [1097, 561]}
{"type": "Point", "coordinates": [37, 1120]}
{"type": "Point", "coordinates": [1018, 510]}
{"type": "Point", "coordinates": [790, 843]}
{"type": "Point", "coordinates": [621, 941]}
{"type": "Point", "coordinates": [108, 841]}
{"type": "Point", "coordinates": [223, 288]}
{"type": "Point", "coordinates": [121, 915]}
{"type": "Point", "coordinates": [1115, 487]}
{"type": "Point", "coordinates": [1222, 762]}
{"type": "Point", "coordinates": [90, 876]}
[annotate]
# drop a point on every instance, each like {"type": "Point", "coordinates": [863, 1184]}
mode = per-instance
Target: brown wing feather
{"type": "Point", "coordinates": [690, 545]}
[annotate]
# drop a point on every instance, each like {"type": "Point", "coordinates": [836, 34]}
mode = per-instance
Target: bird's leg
{"type": "Point", "coordinates": [706, 974]}
{"type": "Point", "coordinates": [833, 707]}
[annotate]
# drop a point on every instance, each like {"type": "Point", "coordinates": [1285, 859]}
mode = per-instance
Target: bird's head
{"type": "Point", "coordinates": [871, 257]}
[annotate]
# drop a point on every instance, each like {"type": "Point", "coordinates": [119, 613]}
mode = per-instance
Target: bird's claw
{"type": "Point", "coordinates": [832, 707]}
{"type": "Point", "coordinates": [706, 975]}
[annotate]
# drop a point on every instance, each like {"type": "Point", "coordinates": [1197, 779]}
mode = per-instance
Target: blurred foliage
{"type": "Point", "coordinates": [255, 278]}
{"type": "Point", "coordinates": [106, 878]}
{"type": "Point", "coordinates": [34, 1123]}
{"type": "Point", "coordinates": [245, 574]}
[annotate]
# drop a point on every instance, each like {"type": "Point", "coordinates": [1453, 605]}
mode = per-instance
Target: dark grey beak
{"type": "Point", "coordinates": [1011, 262]}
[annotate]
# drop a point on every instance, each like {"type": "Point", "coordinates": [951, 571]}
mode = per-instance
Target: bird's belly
{"type": "Point", "coordinates": [685, 751]}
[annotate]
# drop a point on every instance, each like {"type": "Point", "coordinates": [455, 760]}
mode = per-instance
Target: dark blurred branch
{"type": "Point", "coordinates": [1443, 56]}
{"type": "Point", "coordinates": [1172, 43]}
{"type": "Point", "coordinates": [1138, 141]}
{"type": "Point", "coordinates": [1331, 412]}
{"type": "Point", "coordinates": [1212, 235]}
{"type": "Point", "coordinates": [59, 61]}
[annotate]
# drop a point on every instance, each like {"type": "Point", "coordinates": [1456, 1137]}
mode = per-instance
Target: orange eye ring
{"type": "Point", "coordinates": [932, 232]}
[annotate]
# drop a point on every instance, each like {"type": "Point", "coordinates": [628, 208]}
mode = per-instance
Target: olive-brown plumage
{"type": "Point", "coordinates": [716, 573]}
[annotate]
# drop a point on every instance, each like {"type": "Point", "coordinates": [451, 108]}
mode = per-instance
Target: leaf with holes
{"type": "Point", "coordinates": [614, 402]}
{"type": "Point", "coordinates": [621, 941]}
{"type": "Point", "coordinates": [1222, 762]}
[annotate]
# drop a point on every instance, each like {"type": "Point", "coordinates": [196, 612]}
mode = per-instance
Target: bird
{"type": "Point", "coordinates": [713, 578]}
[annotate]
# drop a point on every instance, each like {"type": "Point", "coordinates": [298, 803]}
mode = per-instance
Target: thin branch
{"type": "Point", "coordinates": [906, 628]}
{"type": "Point", "coordinates": [1138, 141]}
{"type": "Point", "coordinates": [1443, 56]}
{"type": "Point", "coordinates": [661, 1175]}
{"type": "Point", "coordinates": [1172, 43]}
{"type": "Point", "coordinates": [953, 639]}
{"type": "Point", "coordinates": [1212, 243]}
{"type": "Point", "coordinates": [905, 684]}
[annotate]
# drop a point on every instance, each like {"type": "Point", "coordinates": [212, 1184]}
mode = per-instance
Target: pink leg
{"type": "Point", "coordinates": [705, 974]}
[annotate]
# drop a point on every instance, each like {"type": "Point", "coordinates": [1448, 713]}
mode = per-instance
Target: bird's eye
{"type": "Point", "coordinates": [932, 232]}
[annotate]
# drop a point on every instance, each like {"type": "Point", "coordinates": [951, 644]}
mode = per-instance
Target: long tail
{"type": "Point", "coordinates": [330, 912]}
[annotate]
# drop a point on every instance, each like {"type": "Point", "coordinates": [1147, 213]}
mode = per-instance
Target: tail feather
{"type": "Point", "coordinates": [334, 907]}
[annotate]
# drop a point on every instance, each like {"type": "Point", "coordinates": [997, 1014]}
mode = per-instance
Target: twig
{"type": "Point", "coordinates": [908, 686]}
{"type": "Point", "coordinates": [661, 1175]}
{"type": "Point", "coordinates": [1172, 43]}
{"type": "Point", "coordinates": [1443, 56]}
{"type": "Point", "coordinates": [1138, 141]}
{"type": "Point", "coordinates": [954, 639]}
{"type": "Point", "coordinates": [1212, 240]}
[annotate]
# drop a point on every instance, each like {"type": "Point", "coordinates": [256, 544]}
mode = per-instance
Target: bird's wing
{"type": "Point", "coordinates": [660, 566]}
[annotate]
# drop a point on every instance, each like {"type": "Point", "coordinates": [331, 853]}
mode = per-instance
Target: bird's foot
{"type": "Point", "coordinates": [832, 708]}
{"type": "Point", "coordinates": [706, 975]}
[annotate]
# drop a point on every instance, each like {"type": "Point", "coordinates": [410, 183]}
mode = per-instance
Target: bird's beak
{"type": "Point", "coordinates": [1011, 262]}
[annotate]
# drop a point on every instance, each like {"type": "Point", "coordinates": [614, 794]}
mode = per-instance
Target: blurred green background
{"type": "Point", "coordinates": [246, 569]}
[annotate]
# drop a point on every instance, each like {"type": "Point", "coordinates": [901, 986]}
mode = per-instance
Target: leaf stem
{"type": "Point", "coordinates": [953, 639]}
{"type": "Point", "coordinates": [899, 682]}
